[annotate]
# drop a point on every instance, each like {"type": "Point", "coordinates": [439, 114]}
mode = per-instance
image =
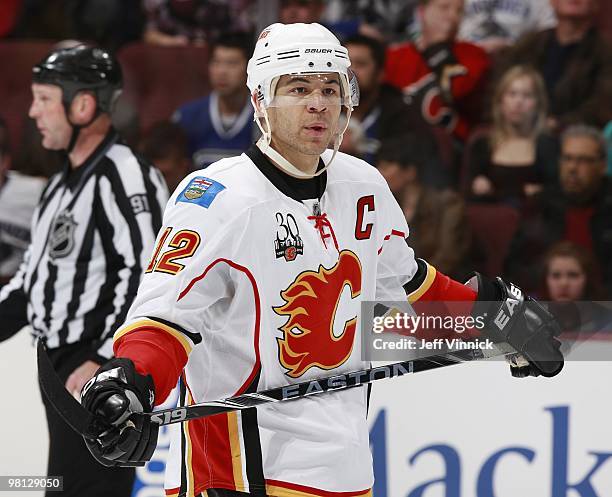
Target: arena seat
{"type": "Point", "coordinates": [16, 60]}
{"type": "Point", "coordinates": [157, 79]}
{"type": "Point", "coordinates": [493, 227]}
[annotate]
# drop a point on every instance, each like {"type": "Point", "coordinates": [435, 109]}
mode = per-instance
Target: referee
{"type": "Point", "coordinates": [92, 233]}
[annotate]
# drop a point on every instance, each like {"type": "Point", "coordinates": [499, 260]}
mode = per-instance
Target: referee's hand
{"type": "Point", "coordinates": [80, 376]}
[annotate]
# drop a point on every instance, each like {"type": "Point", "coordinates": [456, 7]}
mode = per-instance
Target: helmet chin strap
{"type": "Point", "coordinates": [74, 136]}
{"type": "Point", "coordinates": [264, 144]}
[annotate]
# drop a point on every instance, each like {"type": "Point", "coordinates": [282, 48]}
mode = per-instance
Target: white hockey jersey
{"type": "Point", "coordinates": [261, 281]}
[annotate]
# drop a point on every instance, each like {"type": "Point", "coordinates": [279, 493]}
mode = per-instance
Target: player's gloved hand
{"type": "Point", "coordinates": [519, 320]}
{"type": "Point", "coordinates": [116, 395]}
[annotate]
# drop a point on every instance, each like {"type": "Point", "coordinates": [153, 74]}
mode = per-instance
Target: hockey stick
{"type": "Point", "coordinates": [82, 421]}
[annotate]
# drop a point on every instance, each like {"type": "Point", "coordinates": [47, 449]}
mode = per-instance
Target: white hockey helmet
{"type": "Point", "coordinates": [290, 49]}
{"type": "Point", "coordinates": [299, 49]}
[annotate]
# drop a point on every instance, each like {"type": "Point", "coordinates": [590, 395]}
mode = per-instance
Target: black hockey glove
{"type": "Point", "coordinates": [116, 395]}
{"type": "Point", "coordinates": [515, 318]}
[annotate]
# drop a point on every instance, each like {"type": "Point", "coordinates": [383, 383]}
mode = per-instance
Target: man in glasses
{"type": "Point", "coordinates": [579, 209]}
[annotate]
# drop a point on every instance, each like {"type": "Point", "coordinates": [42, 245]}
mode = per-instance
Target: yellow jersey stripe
{"type": "Point", "coordinates": [429, 279]}
{"type": "Point", "coordinates": [150, 323]}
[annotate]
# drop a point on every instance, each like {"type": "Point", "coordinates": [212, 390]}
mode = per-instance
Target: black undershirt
{"type": "Point", "coordinates": [296, 188]}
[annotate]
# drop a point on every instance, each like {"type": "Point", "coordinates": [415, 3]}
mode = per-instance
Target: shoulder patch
{"type": "Point", "coordinates": [201, 191]}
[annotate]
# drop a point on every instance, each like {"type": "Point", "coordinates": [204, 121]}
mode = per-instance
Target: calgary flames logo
{"type": "Point", "coordinates": [311, 303]}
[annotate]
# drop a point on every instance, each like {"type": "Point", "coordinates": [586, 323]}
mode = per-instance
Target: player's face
{"type": "Point", "coordinates": [304, 114]}
{"type": "Point", "coordinates": [518, 104]}
{"type": "Point", "coordinates": [581, 166]}
{"type": "Point", "coordinates": [48, 112]}
{"type": "Point", "coordinates": [574, 8]}
{"type": "Point", "coordinates": [565, 279]}
{"type": "Point", "coordinates": [364, 67]}
{"type": "Point", "coordinates": [443, 17]}
{"type": "Point", "coordinates": [227, 71]}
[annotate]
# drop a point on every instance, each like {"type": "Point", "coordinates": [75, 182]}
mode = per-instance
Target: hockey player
{"type": "Point", "coordinates": [256, 281]}
{"type": "Point", "coordinates": [92, 231]}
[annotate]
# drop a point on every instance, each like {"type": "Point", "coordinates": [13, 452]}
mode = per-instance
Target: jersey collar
{"type": "Point", "coordinates": [297, 188]}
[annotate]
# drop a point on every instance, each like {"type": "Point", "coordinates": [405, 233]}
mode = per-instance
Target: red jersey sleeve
{"type": "Point", "coordinates": [156, 352]}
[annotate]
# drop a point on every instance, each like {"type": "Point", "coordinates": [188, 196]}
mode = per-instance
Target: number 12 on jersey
{"type": "Point", "coordinates": [182, 244]}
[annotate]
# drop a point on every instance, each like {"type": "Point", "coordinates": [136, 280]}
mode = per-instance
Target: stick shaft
{"type": "Point", "coordinates": [333, 383]}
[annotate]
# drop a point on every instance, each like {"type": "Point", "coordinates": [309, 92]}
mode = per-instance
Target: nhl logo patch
{"type": "Point", "coordinates": [61, 237]}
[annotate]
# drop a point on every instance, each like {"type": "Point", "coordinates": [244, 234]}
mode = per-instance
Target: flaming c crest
{"type": "Point", "coordinates": [311, 302]}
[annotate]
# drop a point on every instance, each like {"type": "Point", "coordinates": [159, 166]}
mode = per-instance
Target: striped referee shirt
{"type": "Point", "coordinates": [92, 233]}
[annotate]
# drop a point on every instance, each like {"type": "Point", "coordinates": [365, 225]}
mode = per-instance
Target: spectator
{"type": "Point", "coordinates": [108, 23]}
{"type": "Point", "coordinates": [181, 22]}
{"type": "Point", "coordinates": [221, 124]}
{"type": "Point", "coordinates": [570, 274]}
{"type": "Point", "coordinates": [9, 12]}
{"type": "Point", "coordinates": [19, 194]}
{"type": "Point", "coordinates": [576, 64]}
{"type": "Point", "coordinates": [385, 20]}
{"type": "Point", "coordinates": [381, 112]}
{"type": "Point", "coordinates": [496, 25]}
{"type": "Point", "coordinates": [516, 157]}
{"type": "Point", "coordinates": [47, 19]}
{"type": "Point", "coordinates": [439, 75]}
{"type": "Point", "coordinates": [165, 145]}
{"type": "Point", "coordinates": [572, 285]}
{"type": "Point", "coordinates": [307, 11]}
{"type": "Point", "coordinates": [579, 210]}
{"type": "Point", "coordinates": [436, 217]}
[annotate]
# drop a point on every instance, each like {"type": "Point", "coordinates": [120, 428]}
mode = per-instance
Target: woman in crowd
{"type": "Point", "coordinates": [570, 274]}
{"type": "Point", "coordinates": [571, 285]}
{"type": "Point", "coordinates": [516, 156]}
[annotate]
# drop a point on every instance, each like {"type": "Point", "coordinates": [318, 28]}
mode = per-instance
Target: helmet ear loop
{"type": "Point", "coordinates": [261, 112]}
{"type": "Point", "coordinates": [340, 136]}
{"type": "Point", "coordinates": [259, 115]}
{"type": "Point", "coordinates": [266, 137]}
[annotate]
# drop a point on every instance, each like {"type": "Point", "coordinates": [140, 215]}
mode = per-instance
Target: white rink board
{"type": "Point", "coordinates": [23, 429]}
{"type": "Point", "coordinates": [476, 410]}
{"type": "Point", "coordinates": [470, 410]}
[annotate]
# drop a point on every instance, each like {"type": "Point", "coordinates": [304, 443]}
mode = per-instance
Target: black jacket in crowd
{"type": "Point", "coordinates": [545, 225]}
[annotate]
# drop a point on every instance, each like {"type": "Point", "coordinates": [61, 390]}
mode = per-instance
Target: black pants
{"type": "Point", "coordinates": [68, 455]}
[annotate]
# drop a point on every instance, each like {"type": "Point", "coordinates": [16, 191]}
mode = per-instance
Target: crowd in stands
{"type": "Point", "coordinates": [491, 120]}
